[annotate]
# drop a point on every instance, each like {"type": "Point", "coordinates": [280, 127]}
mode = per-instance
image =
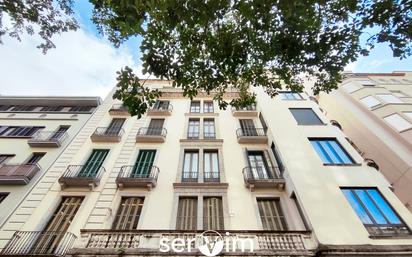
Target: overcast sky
{"type": "Point", "coordinates": [84, 63]}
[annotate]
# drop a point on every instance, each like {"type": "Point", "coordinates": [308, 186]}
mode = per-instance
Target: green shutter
{"type": "Point", "coordinates": [144, 164]}
{"type": "Point", "coordinates": [93, 164]}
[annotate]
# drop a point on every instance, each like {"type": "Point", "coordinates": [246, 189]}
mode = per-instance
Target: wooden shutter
{"type": "Point", "coordinates": [144, 163]}
{"type": "Point", "coordinates": [271, 214]}
{"type": "Point", "coordinates": [213, 213]}
{"type": "Point", "coordinates": [115, 126]}
{"type": "Point", "coordinates": [58, 225]}
{"type": "Point", "coordinates": [128, 215]}
{"type": "Point", "coordinates": [187, 214]}
{"type": "Point", "coordinates": [93, 164]}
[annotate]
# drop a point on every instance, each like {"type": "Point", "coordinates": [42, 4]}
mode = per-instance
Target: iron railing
{"type": "Point", "coordinates": [139, 172]}
{"type": "Point", "coordinates": [211, 176]}
{"type": "Point", "coordinates": [83, 172]}
{"type": "Point", "coordinates": [49, 243]}
{"type": "Point", "coordinates": [108, 132]}
{"type": "Point", "coordinates": [17, 173]}
{"type": "Point", "coordinates": [190, 176]}
{"type": "Point", "coordinates": [148, 131]}
{"type": "Point", "coordinates": [49, 136]}
{"type": "Point", "coordinates": [119, 107]}
{"type": "Point", "coordinates": [209, 135]}
{"type": "Point", "coordinates": [247, 108]}
{"type": "Point", "coordinates": [250, 132]}
{"type": "Point", "coordinates": [169, 108]}
{"type": "Point", "coordinates": [260, 173]}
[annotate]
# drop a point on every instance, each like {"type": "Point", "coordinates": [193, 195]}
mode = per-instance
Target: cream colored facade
{"type": "Point", "coordinates": [17, 177]}
{"type": "Point", "coordinates": [318, 218]}
{"type": "Point", "coordinates": [375, 112]}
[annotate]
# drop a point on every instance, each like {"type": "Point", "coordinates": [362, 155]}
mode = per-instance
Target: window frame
{"type": "Point", "coordinates": [284, 96]}
{"type": "Point", "coordinates": [191, 172]}
{"type": "Point", "coordinates": [352, 160]}
{"type": "Point", "coordinates": [208, 107]}
{"type": "Point", "coordinates": [300, 123]}
{"type": "Point", "coordinates": [195, 106]}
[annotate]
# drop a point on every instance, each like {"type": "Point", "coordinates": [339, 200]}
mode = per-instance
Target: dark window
{"type": "Point", "coordinates": [51, 108]}
{"type": "Point", "coordinates": [4, 158]}
{"type": "Point", "coordinates": [115, 127]}
{"type": "Point", "coordinates": [330, 151]}
{"type": "Point", "coordinates": [277, 157]}
{"type": "Point", "coordinates": [155, 127]}
{"type": "Point", "coordinates": [23, 108]}
{"type": "Point", "coordinates": [305, 116]}
{"type": "Point", "coordinates": [128, 215]}
{"type": "Point", "coordinates": [59, 133]}
{"type": "Point", "coordinates": [35, 158]}
{"type": "Point", "coordinates": [195, 106]}
{"type": "Point", "coordinates": [190, 166]}
{"type": "Point", "coordinates": [94, 162]}
{"type": "Point", "coordinates": [5, 107]}
{"type": "Point", "coordinates": [81, 108]}
{"type": "Point", "coordinates": [375, 212]}
{"type": "Point", "coordinates": [18, 131]}
{"type": "Point", "coordinates": [193, 129]}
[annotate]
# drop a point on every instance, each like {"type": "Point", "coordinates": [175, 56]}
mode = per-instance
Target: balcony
{"type": "Point", "coordinates": [161, 111]}
{"type": "Point", "coordinates": [251, 136]}
{"type": "Point", "coordinates": [81, 176]}
{"type": "Point", "coordinates": [151, 135]}
{"type": "Point", "coordinates": [38, 243]}
{"type": "Point", "coordinates": [249, 111]}
{"type": "Point", "coordinates": [17, 174]}
{"type": "Point", "coordinates": [107, 135]}
{"type": "Point", "coordinates": [259, 177]}
{"type": "Point", "coordinates": [119, 109]}
{"type": "Point", "coordinates": [146, 242]}
{"type": "Point", "coordinates": [47, 139]}
{"type": "Point", "coordinates": [137, 177]}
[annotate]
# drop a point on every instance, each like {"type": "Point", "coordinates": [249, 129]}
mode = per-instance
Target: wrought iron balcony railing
{"type": "Point", "coordinates": [263, 177]}
{"type": "Point", "coordinates": [48, 138]}
{"type": "Point", "coordinates": [249, 111]}
{"type": "Point", "coordinates": [119, 109]}
{"type": "Point", "coordinates": [107, 134]}
{"type": "Point", "coordinates": [138, 176]}
{"type": "Point", "coordinates": [41, 243]}
{"type": "Point", "coordinates": [161, 110]}
{"type": "Point", "coordinates": [17, 174]}
{"type": "Point", "coordinates": [151, 135]}
{"type": "Point", "coordinates": [190, 176]}
{"type": "Point", "coordinates": [81, 176]}
{"type": "Point", "coordinates": [251, 135]}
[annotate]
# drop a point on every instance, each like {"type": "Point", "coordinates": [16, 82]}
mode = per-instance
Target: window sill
{"type": "Point", "coordinates": [202, 114]}
{"type": "Point", "coordinates": [201, 140]}
{"type": "Point", "coordinates": [207, 185]}
{"type": "Point", "coordinates": [349, 164]}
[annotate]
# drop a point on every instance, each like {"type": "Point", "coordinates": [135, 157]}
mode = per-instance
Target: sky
{"type": "Point", "coordinates": [85, 63]}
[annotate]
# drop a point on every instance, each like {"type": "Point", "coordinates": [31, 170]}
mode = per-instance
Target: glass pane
{"type": "Point", "coordinates": [384, 206]}
{"type": "Point", "coordinates": [360, 211]}
{"type": "Point", "coordinates": [370, 205]}
{"type": "Point", "coordinates": [321, 152]}
{"type": "Point", "coordinates": [341, 153]}
{"type": "Point", "coordinates": [207, 163]}
{"type": "Point", "coordinates": [195, 161]}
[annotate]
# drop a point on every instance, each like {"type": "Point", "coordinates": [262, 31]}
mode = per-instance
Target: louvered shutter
{"type": "Point", "coordinates": [213, 213]}
{"type": "Point", "coordinates": [187, 214]}
{"type": "Point", "coordinates": [93, 164]}
{"type": "Point", "coordinates": [128, 215]}
{"type": "Point", "coordinates": [271, 214]}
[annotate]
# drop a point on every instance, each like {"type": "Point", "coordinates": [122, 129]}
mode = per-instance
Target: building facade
{"type": "Point", "coordinates": [275, 179]}
{"type": "Point", "coordinates": [375, 112]}
{"type": "Point", "coordinates": [34, 131]}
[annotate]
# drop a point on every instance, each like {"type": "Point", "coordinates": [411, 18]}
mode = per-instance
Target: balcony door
{"type": "Point", "coordinates": [155, 127]}
{"type": "Point", "coordinates": [48, 241]}
{"type": "Point", "coordinates": [144, 163]}
{"type": "Point", "coordinates": [271, 214]}
{"type": "Point", "coordinates": [58, 133]}
{"type": "Point", "coordinates": [161, 105]}
{"type": "Point", "coordinates": [93, 164]}
{"type": "Point", "coordinates": [258, 165]}
{"type": "Point", "coordinates": [248, 127]}
{"type": "Point", "coordinates": [115, 127]}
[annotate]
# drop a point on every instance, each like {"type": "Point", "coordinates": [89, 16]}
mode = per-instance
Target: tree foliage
{"type": "Point", "coordinates": [211, 45]}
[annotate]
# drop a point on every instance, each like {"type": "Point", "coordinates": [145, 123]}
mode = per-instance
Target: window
{"type": "Point", "coordinates": [398, 122]}
{"type": "Point", "coordinates": [248, 127]}
{"type": "Point", "coordinates": [81, 108]}
{"type": "Point", "coordinates": [290, 96]}
{"type": "Point", "coordinates": [92, 166]}
{"type": "Point", "coordinates": [51, 108]}
{"type": "Point", "coordinates": [370, 101]}
{"type": "Point", "coordinates": [193, 129]}
{"type": "Point", "coordinates": [277, 157]}
{"type": "Point", "coordinates": [4, 158]}
{"type": "Point", "coordinates": [374, 211]}
{"type": "Point", "coordinates": [5, 107]}
{"type": "Point", "coordinates": [350, 88]}
{"type": "Point", "coordinates": [161, 105]}
{"type": "Point", "coordinates": [187, 214]}
{"type": "Point", "coordinates": [213, 213]}
{"type": "Point", "coordinates": [390, 99]}
{"type": "Point", "coordinates": [3, 196]}
{"type": "Point", "coordinates": [271, 214]}
{"type": "Point", "coordinates": [190, 166]}
{"type": "Point", "coordinates": [211, 166]}
{"type": "Point", "coordinates": [330, 151]}
{"type": "Point", "coordinates": [144, 164]}
{"type": "Point", "coordinates": [128, 215]}
{"type": "Point", "coordinates": [155, 127]}
{"type": "Point", "coordinates": [59, 133]}
{"type": "Point", "coordinates": [209, 129]}
{"type": "Point", "coordinates": [208, 106]}
{"type": "Point", "coordinates": [115, 127]}
{"type": "Point", "coordinates": [21, 131]}
{"type": "Point", "coordinates": [35, 158]}
{"type": "Point", "coordinates": [195, 106]}
{"type": "Point", "coordinates": [259, 165]}
{"type": "Point", "coordinates": [305, 116]}
{"type": "Point", "coordinates": [23, 108]}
